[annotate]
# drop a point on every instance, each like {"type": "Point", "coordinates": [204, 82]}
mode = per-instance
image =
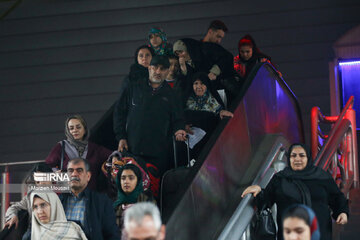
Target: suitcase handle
{"type": "Point", "coordinates": [187, 151]}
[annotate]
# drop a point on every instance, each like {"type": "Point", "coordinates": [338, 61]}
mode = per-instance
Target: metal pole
{"type": "Point", "coordinates": [351, 115]}
{"type": "Point", "coordinates": [314, 131]}
{"type": "Point", "coordinates": [4, 195]}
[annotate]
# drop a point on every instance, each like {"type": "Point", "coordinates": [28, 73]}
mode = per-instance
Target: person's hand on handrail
{"type": "Point", "coordinates": [225, 113]}
{"type": "Point", "coordinates": [12, 221]}
{"type": "Point", "coordinates": [254, 190]}
{"type": "Point", "coordinates": [180, 135]}
{"type": "Point", "coordinates": [342, 219]}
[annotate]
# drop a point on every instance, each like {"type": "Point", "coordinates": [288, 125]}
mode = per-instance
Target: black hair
{"type": "Point", "coordinates": [218, 25]}
{"type": "Point", "coordinates": [78, 160]}
{"type": "Point", "coordinates": [132, 167]}
{"type": "Point", "coordinates": [307, 151]}
{"type": "Point", "coordinates": [306, 214]}
{"type": "Point", "coordinates": [297, 211]}
{"type": "Point", "coordinates": [39, 167]}
{"type": "Point", "coordinates": [142, 47]}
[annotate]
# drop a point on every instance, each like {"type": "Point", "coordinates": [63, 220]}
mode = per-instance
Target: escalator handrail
{"type": "Point", "coordinates": [319, 117]}
{"type": "Point", "coordinates": [244, 212]}
{"type": "Point", "coordinates": [210, 143]}
{"type": "Point", "coordinates": [343, 133]}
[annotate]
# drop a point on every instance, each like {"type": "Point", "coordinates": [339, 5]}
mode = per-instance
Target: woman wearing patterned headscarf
{"type": "Point", "coordinates": [158, 42]}
{"type": "Point", "coordinates": [77, 145]}
{"type": "Point", "coordinates": [49, 219]}
{"type": "Point", "coordinates": [203, 108]}
{"type": "Point", "coordinates": [302, 182]}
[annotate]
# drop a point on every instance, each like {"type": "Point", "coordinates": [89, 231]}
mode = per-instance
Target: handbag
{"type": "Point", "coordinates": [263, 225]}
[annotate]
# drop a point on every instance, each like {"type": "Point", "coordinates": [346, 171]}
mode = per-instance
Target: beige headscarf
{"type": "Point", "coordinates": [58, 227]}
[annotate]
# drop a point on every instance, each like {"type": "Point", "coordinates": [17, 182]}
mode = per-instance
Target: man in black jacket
{"type": "Point", "coordinates": [147, 115]}
{"type": "Point", "coordinates": [93, 211]}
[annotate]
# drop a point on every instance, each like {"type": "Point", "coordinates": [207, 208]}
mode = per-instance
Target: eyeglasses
{"type": "Point", "coordinates": [41, 206]}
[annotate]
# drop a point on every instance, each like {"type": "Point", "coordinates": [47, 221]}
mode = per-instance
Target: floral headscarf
{"type": "Point", "coordinates": [164, 48]}
{"type": "Point", "coordinates": [80, 145]}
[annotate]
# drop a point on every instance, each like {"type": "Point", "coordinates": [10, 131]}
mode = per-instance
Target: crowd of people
{"type": "Point", "coordinates": [171, 91]}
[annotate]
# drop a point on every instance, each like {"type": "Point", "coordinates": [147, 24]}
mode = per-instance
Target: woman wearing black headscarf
{"type": "Point", "coordinates": [302, 182]}
{"type": "Point", "coordinates": [139, 69]}
{"type": "Point", "coordinates": [77, 145]}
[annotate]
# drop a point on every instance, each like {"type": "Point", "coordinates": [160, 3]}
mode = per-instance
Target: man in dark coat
{"type": "Point", "coordinates": [147, 115]}
{"type": "Point", "coordinates": [93, 211]}
{"type": "Point", "coordinates": [211, 58]}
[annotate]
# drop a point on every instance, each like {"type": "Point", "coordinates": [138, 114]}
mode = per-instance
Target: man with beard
{"type": "Point", "coordinates": [146, 117]}
{"type": "Point", "coordinates": [216, 32]}
{"type": "Point", "coordinates": [93, 211]}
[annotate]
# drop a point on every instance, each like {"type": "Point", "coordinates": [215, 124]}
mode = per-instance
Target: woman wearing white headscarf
{"type": "Point", "coordinates": [49, 220]}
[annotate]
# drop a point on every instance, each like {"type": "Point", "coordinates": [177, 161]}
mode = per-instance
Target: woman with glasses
{"type": "Point", "coordinates": [77, 145]}
{"type": "Point", "coordinates": [49, 220]}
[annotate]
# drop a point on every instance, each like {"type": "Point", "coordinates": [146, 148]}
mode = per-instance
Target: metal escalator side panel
{"type": "Point", "coordinates": [267, 107]}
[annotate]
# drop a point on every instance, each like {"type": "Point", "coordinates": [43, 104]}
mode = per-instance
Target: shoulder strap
{"type": "Point", "coordinates": [62, 154]}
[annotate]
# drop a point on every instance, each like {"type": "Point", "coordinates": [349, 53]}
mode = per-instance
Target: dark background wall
{"type": "Point", "coordinates": [66, 56]}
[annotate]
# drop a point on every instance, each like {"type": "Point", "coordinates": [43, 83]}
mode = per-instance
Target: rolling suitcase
{"type": "Point", "coordinates": [172, 182]}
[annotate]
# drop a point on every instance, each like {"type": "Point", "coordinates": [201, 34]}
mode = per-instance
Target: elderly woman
{"type": "Point", "coordinates": [302, 182]}
{"type": "Point", "coordinates": [203, 108]}
{"type": "Point", "coordinates": [77, 145]}
{"type": "Point", "coordinates": [300, 222]}
{"type": "Point", "coordinates": [130, 190]}
{"type": "Point", "coordinates": [49, 220]}
{"type": "Point", "coordinates": [158, 42]}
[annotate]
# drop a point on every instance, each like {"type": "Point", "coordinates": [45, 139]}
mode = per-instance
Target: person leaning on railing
{"type": "Point", "coordinates": [49, 219]}
{"type": "Point", "coordinates": [302, 182]}
{"type": "Point", "coordinates": [11, 216]}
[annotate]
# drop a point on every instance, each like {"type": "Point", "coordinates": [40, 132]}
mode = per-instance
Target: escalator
{"type": "Point", "coordinates": [266, 112]}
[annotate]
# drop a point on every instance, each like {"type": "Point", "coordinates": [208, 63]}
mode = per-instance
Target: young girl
{"type": "Point", "coordinates": [300, 223]}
